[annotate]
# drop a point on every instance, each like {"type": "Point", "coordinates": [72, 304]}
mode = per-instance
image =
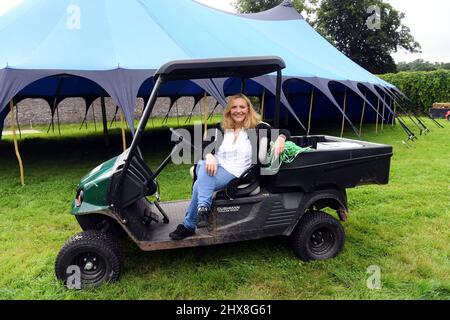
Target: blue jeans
{"type": "Point", "coordinates": [203, 190]}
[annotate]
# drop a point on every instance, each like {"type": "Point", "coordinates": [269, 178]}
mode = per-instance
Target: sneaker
{"type": "Point", "coordinates": [181, 232]}
{"type": "Point", "coordinates": [203, 214]}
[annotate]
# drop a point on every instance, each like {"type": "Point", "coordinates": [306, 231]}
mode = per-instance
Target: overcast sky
{"type": "Point", "coordinates": [428, 20]}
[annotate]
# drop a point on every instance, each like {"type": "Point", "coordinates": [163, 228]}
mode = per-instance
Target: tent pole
{"type": "Point", "coordinates": [17, 121]}
{"type": "Point", "coordinates": [122, 126]}
{"type": "Point", "coordinates": [200, 109]}
{"type": "Point", "coordinates": [104, 120]}
{"type": "Point", "coordinates": [311, 104]}
{"type": "Point", "coordinates": [57, 119]}
{"type": "Point", "coordinates": [343, 115]}
{"type": "Point", "coordinates": [362, 114]}
{"type": "Point", "coordinates": [391, 101]}
{"type": "Point", "coordinates": [190, 114]}
{"type": "Point", "coordinates": [114, 119]}
{"type": "Point", "coordinates": [376, 122]}
{"type": "Point", "coordinates": [93, 117]}
{"type": "Point", "coordinates": [85, 117]}
{"type": "Point", "coordinates": [51, 122]}
{"type": "Point", "coordinates": [166, 117]}
{"type": "Point", "coordinates": [16, 145]}
{"type": "Point", "coordinates": [55, 103]}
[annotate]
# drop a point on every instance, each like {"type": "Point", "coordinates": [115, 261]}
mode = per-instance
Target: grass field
{"type": "Point", "coordinates": [403, 228]}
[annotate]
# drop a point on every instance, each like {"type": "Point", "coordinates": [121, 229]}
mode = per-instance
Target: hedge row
{"type": "Point", "coordinates": [423, 87]}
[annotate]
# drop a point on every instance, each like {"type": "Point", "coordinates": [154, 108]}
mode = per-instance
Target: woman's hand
{"type": "Point", "coordinates": [211, 165]}
{"type": "Point", "coordinates": [278, 146]}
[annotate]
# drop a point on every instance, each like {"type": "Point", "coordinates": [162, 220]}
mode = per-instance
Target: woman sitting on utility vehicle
{"type": "Point", "coordinates": [233, 158]}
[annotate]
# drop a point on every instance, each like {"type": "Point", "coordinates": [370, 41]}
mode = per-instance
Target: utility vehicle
{"type": "Point", "coordinates": [112, 198]}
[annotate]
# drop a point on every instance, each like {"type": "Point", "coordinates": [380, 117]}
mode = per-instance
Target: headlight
{"type": "Point", "coordinates": [79, 198]}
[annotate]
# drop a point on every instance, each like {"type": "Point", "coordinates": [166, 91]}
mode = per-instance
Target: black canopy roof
{"type": "Point", "coordinates": [242, 67]}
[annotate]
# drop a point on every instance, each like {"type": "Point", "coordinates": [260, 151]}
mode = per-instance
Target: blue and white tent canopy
{"type": "Point", "coordinates": [55, 49]}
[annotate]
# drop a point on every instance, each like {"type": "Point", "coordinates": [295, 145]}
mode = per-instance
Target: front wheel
{"type": "Point", "coordinates": [89, 259]}
{"type": "Point", "coordinates": [318, 236]}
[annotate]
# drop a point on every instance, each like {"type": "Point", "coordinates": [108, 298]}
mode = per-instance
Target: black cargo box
{"type": "Point", "coordinates": [333, 163]}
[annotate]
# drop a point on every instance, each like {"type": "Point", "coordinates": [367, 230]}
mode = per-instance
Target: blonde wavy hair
{"type": "Point", "coordinates": [251, 121]}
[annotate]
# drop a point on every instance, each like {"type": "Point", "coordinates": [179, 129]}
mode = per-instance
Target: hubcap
{"type": "Point", "coordinates": [92, 265]}
{"type": "Point", "coordinates": [321, 241]}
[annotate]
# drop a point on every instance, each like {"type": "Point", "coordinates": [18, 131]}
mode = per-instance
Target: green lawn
{"type": "Point", "coordinates": [403, 228]}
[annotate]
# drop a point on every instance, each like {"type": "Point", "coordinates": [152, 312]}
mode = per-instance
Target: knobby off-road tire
{"type": "Point", "coordinates": [97, 257]}
{"type": "Point", "coordinates": [318, 236]}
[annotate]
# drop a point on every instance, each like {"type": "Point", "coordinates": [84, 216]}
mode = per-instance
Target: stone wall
{"type": "Point", "coordinates": [72, 110]}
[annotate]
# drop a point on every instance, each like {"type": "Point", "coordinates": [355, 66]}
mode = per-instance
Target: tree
{"type": "Point", "coordinates": [251, 6]}
{"type": "Point", "coordinates": [421, 65]}
{"type": "Point", "coordinates": [367, 31]}
{"type": "Point", "coordinates": [368, 37]}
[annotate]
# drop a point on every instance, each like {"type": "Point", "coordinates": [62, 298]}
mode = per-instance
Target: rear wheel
{"type": "Point", "coordinates": [89, 259]}
{"type": "Point", "coordinates": [318, 236]}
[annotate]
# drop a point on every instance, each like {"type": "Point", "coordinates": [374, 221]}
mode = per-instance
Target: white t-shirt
{"type": "Point", "coordinates": [235, 157]}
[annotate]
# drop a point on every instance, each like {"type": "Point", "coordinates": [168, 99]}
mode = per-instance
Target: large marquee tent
{"type": "Point", "coordinates": [55, 49]}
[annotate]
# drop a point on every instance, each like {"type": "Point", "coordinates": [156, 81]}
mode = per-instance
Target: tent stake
{"type": "Point", "coordinates": [122, 125]}
{"type": "Point", "coordinates": [362, 114]}
{"type": "Point", "coordinates": [343, 114]}
{"type": "Point", "coordinates": [311, 104]}
{"type": "Point", "coordinates": [16, 145]}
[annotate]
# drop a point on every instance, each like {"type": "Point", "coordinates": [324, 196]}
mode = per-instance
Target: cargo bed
{"type": "Point", "coordinates": [333, 163]}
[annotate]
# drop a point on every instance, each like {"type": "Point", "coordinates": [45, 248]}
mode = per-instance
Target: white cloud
{"type": "Point", "coordinates": [428, 21]}
{"type": "Point", "coordinates": [6, 5]}
{"type": "Point", "coordinates": [430, 26]}
{"type": "Point", "coordinates": [224, 5]}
